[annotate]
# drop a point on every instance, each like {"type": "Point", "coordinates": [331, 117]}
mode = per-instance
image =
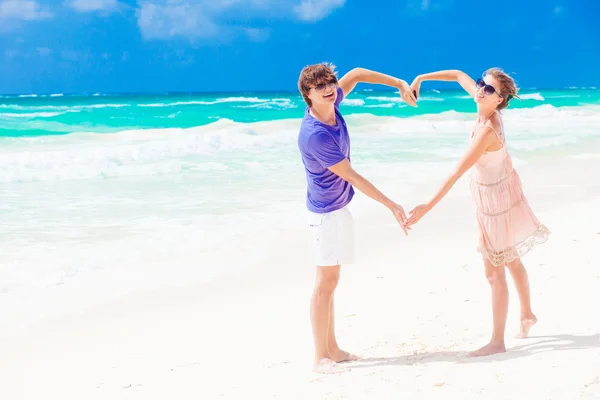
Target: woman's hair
{"type": "Point", "coordinates": [509, 89]}
{"type": "Point", "coordinates": [313, 75]}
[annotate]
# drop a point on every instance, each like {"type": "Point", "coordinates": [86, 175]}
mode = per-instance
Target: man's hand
{"type": "Point", "coordinates": [417, 213]}
{"type": "Point", "coordinates": [398, 212]}
{"type": "Point", "coordinates": [406, 93]}
{"type": "Point", "coordinates": [415, 87]}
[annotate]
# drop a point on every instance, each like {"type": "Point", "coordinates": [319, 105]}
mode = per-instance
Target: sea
{"type": "Point", "coordinates": [121, 191]}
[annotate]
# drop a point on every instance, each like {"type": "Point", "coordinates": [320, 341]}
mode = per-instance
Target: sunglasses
{"type": "Point", "coordinates": [321, 86]}
{"type": "Point", "coordinates": [487, 89]}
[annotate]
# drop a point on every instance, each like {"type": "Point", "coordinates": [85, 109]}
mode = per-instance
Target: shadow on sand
{"type": "Point", "coordinates": [532, 345]}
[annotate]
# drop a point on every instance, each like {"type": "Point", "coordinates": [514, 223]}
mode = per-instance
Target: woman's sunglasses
{"type": "Point", "coordinates": [487, 89]}
{"type": "Point", "coordinates": [321, 86]}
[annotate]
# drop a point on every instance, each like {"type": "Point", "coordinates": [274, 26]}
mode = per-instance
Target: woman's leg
{"type": "Point", "coordinates": [496, 276]}
{"type": "Point", "coordinates": [519, 276]}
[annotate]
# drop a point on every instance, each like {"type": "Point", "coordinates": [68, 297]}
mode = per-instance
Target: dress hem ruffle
{"type": "Point", "coordinates": [498, 258]}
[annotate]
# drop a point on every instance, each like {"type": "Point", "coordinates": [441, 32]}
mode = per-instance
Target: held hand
{"type": "Point", "coordinates": [406, 93]}
{"type": "Point", "coordinates": [415, 87]}
{"type": "Point", "coordinates": [398, 212]}
{"type": "Point", "coordinates": [416, 214]}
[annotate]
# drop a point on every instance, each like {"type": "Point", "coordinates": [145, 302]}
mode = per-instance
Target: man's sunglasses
{"type": "Point", "coordinates": [487, 89]}
{"type": "Point", "coordinates": [321, 86]}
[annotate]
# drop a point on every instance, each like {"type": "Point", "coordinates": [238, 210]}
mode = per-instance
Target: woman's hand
{"type": "Point", "coordinates": [417, 213]}
{"type": "Point", "coordinates": [406, 93]}
{"type": "Point", "coordinates": [415, 86]}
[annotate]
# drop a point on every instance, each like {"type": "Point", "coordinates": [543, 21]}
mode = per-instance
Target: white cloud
{"type": "Point", "coordinates": [203, 19]}
{"type": "Point", "coordinates": [175, 18]}
{"type": "Point", "coordinates": [27, 10]}
{"type": "Point", "coordinates": [314, 10]}
{"type": "Point", "coordinates": [92, 5]}
{"type": "Point", "coordinates": [557, 10]}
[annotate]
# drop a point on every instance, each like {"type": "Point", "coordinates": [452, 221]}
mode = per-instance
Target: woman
{"type": "Point", "coordinates": [507, 225]}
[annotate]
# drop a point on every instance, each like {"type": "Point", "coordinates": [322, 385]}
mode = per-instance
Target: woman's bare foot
{"type": "Point", "coordinates": [526, 324]}
{"type": "Point", "coordinates": [328, 366]}
{"type": "Point", "coordinates": [341, 356]}
{"type": "Point", "coordinates": [489, 349]}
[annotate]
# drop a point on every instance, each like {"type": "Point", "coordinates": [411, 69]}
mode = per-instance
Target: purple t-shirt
{"type": "Point", "coordinates": [322, 146]}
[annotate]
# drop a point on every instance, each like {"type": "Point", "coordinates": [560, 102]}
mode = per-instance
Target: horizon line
{"type": "Point", "coordinates": [162, 93]}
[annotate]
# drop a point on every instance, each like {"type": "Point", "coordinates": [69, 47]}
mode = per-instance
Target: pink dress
{"type": "Point", "coordinates": [508, 228]}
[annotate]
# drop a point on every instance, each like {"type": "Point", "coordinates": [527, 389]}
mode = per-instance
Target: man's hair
{"type": "Point", "coordinates": [312, 75]}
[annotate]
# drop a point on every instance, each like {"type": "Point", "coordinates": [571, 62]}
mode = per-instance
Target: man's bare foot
{"type": "Point", "coordinates": [328, 366]}
{"type": "Point", "coordinates": [341, 356]}
{"type": "Point", "coordinates": [526, 324]}
{"type": "Point", "coordinates": [488, 350]}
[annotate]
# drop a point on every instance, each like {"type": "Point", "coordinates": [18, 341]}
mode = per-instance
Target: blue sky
{"type": "Point", "coordinates": [83, 46]}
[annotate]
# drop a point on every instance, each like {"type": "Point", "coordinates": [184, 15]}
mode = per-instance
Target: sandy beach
{"type": "Point", "coordinates": [411, 307]}
{"type": "Point", "coordinates": [156, 242]}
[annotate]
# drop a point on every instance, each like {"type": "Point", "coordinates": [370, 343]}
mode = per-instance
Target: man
{"type": "Point", "coordinates": [325, 148]}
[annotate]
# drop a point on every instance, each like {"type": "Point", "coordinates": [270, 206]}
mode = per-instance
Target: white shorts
{"type": "Point", "coordinates": [333, 237]}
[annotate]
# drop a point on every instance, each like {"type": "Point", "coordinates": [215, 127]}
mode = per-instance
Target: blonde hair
{"type": "Point", "coordinates": [509, 89]}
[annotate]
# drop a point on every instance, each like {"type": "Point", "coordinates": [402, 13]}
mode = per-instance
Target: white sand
{"type": "Point", "coordinates": [410, 306]}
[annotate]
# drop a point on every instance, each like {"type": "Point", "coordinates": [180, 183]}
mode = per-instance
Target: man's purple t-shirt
{"type": "Point", "coordinates": [322, 146]}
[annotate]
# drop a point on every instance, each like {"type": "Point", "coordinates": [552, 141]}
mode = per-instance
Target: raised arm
{"type": "Point", "coordinates": [348, 83]}
{"type": "Point", "coordinates": [452, 75]}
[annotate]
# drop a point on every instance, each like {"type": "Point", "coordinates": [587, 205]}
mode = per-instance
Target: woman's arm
{"type": "Point", "coordinates": [452, 75]}
{"type": "Point", "coordinates": [482, 141]}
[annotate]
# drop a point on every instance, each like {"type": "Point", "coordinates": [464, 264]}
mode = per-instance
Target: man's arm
{"type": "Point", "coordinates": [327, 153]}
{"type": "Point", "coordinates": [345, 171]}
{"type": "Point", "coordinates": [349, 81]}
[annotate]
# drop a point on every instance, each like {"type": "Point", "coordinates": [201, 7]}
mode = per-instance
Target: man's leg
{"type": "Point", "coordinates": [321, 302]}
{"type": "Point", "coordinates": [334, 244]}
{"type": "Point", "coordinates": [335, 353]}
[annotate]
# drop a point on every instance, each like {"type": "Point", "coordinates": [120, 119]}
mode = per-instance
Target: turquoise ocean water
{"type": "Point", "coordinates": [38, 115]}
{"type": "Point", "coordinates": [139, 188]}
